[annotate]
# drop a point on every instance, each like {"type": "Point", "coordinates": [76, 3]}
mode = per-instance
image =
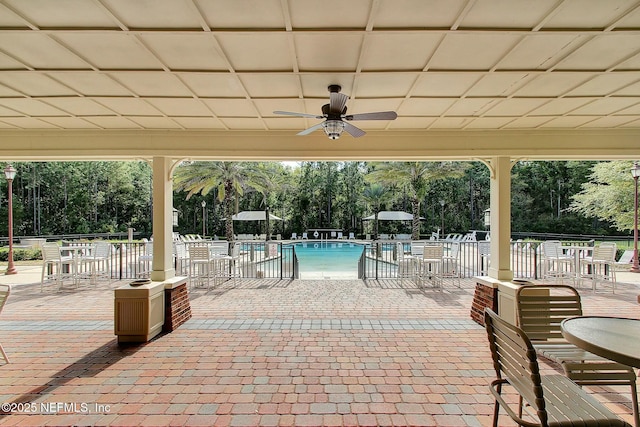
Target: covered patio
{"type": "Point", "coordinates": [475, 80]}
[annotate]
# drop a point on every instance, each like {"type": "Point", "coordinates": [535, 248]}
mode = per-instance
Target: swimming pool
{"type": "Point", "coordinates": [328, 259]}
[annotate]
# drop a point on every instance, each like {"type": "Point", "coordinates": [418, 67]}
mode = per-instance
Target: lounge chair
{"type": "Point", "coordinates": [340, 236]}
{"type": "Point", "coordinates": [294, 236]}
{"type": "Point", "coordinates": [352, 236]}
{"type": "Point", "coordinates": [304, 236]}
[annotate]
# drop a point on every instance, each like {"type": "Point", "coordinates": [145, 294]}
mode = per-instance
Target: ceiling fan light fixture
{"type": "Point", "coordinates": [333, 128]}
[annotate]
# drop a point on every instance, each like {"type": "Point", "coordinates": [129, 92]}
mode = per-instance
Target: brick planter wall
{"type": "Point", "coordinates": [484, 296]}
{"type": "Point", "coordinates": [177, 307]}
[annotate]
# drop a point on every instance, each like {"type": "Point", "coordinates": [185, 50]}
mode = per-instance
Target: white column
{"type": "Point", "coordinates": [162, 267]}
{"type": "Point", "coordinates": [500, 206]}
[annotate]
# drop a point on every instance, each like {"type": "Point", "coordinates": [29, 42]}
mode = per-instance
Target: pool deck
{"type": "Point", "coordinates": [263, 352]}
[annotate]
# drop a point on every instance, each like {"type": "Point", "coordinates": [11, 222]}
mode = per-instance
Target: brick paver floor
{"type": "Point", "coordinates": [298, 353]}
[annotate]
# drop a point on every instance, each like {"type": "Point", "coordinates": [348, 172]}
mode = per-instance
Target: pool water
{"type": "Point", "coordinates": [328, 259]}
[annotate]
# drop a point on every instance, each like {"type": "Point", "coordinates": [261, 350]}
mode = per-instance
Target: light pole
{"type": "Point", "coordinates": [204, 223]}
{"type": "Point", "coordinates": [10, 174]}
{"type": "Point", "coordinates": [635, 173]}
{"type": "Point", "coordinates": [442, 217]}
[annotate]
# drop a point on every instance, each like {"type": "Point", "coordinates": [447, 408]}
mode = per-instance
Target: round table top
{"type": "Point", "coordinates": [614, 338]}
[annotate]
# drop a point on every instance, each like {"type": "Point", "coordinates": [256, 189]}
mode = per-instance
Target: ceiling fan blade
{"type": "Point", "coordinates": [355, 132]}
{"type": "Point", "coordinates": [380, 115]}
{"type": "Point", "coordinates": [337, 102]}
{"type": "Point", "coordinates": [311, 129]}
{"type": "Point", "coordinates": [289, 113]}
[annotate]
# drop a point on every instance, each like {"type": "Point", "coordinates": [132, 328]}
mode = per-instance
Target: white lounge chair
{"type": "Point", "coordinates": [352, 236]}
{"type": "Point", "coordinates": [294, 236]}
{"type": "Point", "coordinates": [304, 236]}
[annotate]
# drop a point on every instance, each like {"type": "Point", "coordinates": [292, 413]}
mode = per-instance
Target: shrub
{"type": "Point", "coordinates": [20, 254]}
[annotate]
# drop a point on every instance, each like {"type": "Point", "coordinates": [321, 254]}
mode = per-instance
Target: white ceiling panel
{"type": "Point", "coordinates": [109, 50]}
{"type": "Point", "coordinates": [113, 122]}
{"type": "Point", "coordinates": [606, 106]}
{"type": "Point", "coordinates": [187, 51]}
{"type": "Point", "coordinates": [383, 50]}
{"type": "Point", "coordinates": [47, 13]}
{"type": "Point", "coordinates": [232, 107]}
{"type": "Point", "coordinates": [155, 122]}
{"type": "Point", "coordinates": [257, 51]}
{"type": "Point", "coordinates": [471, 106]}
{"type": "Point", "coordinates": [181, 107]}
{"type": "Point", "coordinates": [384, 85]}
{"type": "Point", "coordinates": [489, 122]}
{"type": "Point", "coordinates": [520, 13]}
{"type": "Point", "coordinates": [588, 13]}
{"type": "Point", "coordinates": [262, 85]}
{"type": "Point", "coordinates": [561, 106]}
{"type": "Point", "coordinates": [417, 13]}
{"type": "Point", "coordinates": [602, 53]}
{"type": "Point", "coordinates": [604, 84]}
{"type": "Point", "coordinates": [425, 106]}
{"type": "Point", "coordinates": [340, 13]}
{"type": "Point", "coordinates": [238, 123]}
{"type": "Point", "coordinates": [316, 84]}
{"type": "Point", "coordinates": [242, 13]}
{"type": "Point", "coordinates": [70, 123]}
{"type": "Point", "coordinates": [28, 123]}
{"type": "Point", "coordinates": [199, 122]}
{"type": "Point", "coordinates": [213, 84]}
{"type": "Point", "coordinates": [33, 84]}
{"type": "Point", "coordinates": [152, 83]}
{"type": "Point", "coordinates": [568, 122]}
{"type": "Point", "coordinates": [444, 84]}
{"type": "Point", "coordinates": [78, 106]}
{"type": "Point", "coordinates": [412, 123]}
{"type": "Point", "coordinates": [266, 107]}
{"type": "Point", "coordinates": [515, 106]}
{"type": "Point", "coordinates": [540, 51]}
{"type": "Point", "coordinates": [129, 106]}
{"type": "Point", "coordinates": [328, 52]}
{"type": "Point", "coordinates": [40, 51]}
{"type": "Point", "coordinates": [90, 84]}
{"type": "Point", "coordinates": [32, 107]}
{"type": "Point", "coordinates": [608, 122]}
{"type": "Point", "coordinates": [527, 122]}
{"type": "Point", "coordinates": [499, 84]}
{"type": "Point", "coordinates": [553, 84]}
{"type": "Point", "coordinates": [154, 13]}
{"type": "Point", "coordinates": [285, 123]}
{"type": "Point", "coordinates": [360, 105]}
{"type": "Point", "coordinates": [450, 123]}
{"type": "Point", "coordinates": [472, 51]}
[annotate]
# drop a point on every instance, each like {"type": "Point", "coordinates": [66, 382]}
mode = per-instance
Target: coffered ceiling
{"type": "Point", "coordinates": [228, 64]}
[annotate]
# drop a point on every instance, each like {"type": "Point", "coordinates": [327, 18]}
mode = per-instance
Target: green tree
{"type": "Point", "coordinates": [376, 195]}
{"type": "Point", "coordinates": [608, 195]}
{"type": "Point", "coordinates": [416, 178]}
{"type": "Point", "coordinates": [229, 178]}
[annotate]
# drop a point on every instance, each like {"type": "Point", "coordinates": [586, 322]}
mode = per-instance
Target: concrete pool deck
{"type": "Point", "coordinates": [264, 352]}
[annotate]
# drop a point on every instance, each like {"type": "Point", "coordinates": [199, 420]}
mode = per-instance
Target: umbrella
{"type": "Point", "coordinates": [391, 216]}
{"type": "Point", "coordinates": [254, 216]}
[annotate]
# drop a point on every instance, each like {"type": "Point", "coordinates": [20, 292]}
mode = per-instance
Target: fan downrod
{"type": "Point", "coordinates": [334, 88]}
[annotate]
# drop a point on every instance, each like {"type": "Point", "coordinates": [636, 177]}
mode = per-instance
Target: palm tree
{"type": "Point", "coordinates": [230, 178]}
{"type": "Point", "coordinates": [415, 176]}
{"type": "Point", "coordinates": [375, 195]}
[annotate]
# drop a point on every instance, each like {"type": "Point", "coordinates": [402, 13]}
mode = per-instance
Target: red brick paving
{"type": "Point", "coordinates": [285, 375]}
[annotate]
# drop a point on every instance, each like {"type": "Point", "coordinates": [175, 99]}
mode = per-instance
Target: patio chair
{"type": "Point", "coordinates": [600, 265]}
{"type": "Point", "coordinates": [451, 265]}
{"type": "Point", "coordinates": [431, 264]}
{"type": "Point", "coordinates": [55, 266]}
{"type": "Point", "coordinates": [625, 260]}
{"type": "Point", "coordinates": [551, 400]}
{"type": "Point", "coordinates": [145, 260]}
{"type": "Point", "coordinates": [540, 310]}
{"type": "Point", "coordinates": [407, 267]}
{"type": "Point", "coordinates": [98, 261]}
{"type": "Point", "coordinates": [305, 236]}
{"type": "Point", "coordinates": [201, 271]}
{"type": "Point", "coordinates": [556, 265]}
{"type": "Point", "coordinates": [182, 258]}
{"type": "Point", "coordinates": [352, 236]}
{"type": "Point", "coordinates": [5, 290]}
{"type": "Point", "coordinates": [294, 236]}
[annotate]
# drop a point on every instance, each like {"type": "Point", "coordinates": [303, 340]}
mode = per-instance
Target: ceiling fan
{"type": "Point", "coordinates": [335, 114]}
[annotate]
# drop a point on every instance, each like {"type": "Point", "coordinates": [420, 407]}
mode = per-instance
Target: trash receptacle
{"type": "Point", "coordinates": [139, 311]}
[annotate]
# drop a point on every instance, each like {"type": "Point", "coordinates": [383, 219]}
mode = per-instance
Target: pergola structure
{"type": "Point", "coordinates": [167, 80]}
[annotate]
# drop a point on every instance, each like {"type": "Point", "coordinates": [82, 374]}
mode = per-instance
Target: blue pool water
{"type": "Point", "coordinates": [328, 259]}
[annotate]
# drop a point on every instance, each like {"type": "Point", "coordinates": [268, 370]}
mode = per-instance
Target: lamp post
{"type": "Point", "coordinates": [635, 173]}
{"type": "Point", "coordinates": [10, 174]}
{"type": "Point", "coordinates": [442, 217]}
{"type": "Point", "coordinates": [204, 223]}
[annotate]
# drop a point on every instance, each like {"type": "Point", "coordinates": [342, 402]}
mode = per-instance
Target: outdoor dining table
{"type": "Point", "coordinates": [614, 338]}
{"type": "Point", "coordinates": [76, 252]}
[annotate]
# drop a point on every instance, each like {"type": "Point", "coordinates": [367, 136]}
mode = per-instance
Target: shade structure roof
{"type": "Point", "coordinates": [391, 216]}
{"type": "Point", "coordinates": [228, 65]}
{"type": "Point", "coordinates": [254, 216]}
